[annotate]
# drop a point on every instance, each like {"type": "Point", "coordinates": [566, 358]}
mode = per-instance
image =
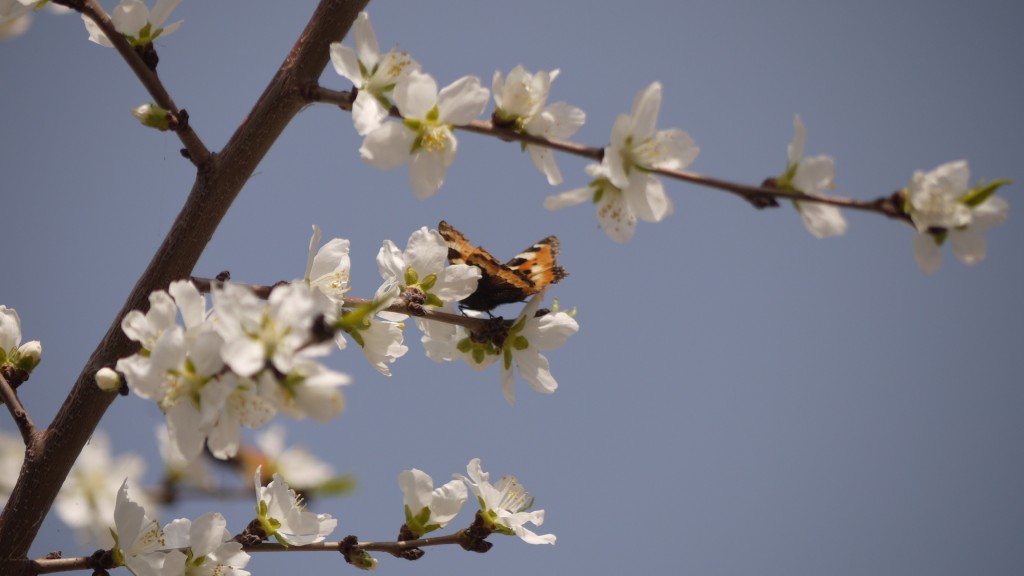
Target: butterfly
{"type": "Point", "coordinates": [525, 275]}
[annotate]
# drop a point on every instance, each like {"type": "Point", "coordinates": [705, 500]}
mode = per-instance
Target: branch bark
{"type": "Point", "coordinates": [51, 453]}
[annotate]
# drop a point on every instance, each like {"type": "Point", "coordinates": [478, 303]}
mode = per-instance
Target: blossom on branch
{"type": "Point", "coordinates": [211, 551]}
{"type": "Point", "coordinates": [13, 354]}
{"type": "Point", "coordinates": [504, 506]}
{"type": "Point", "coordinates": [623, 189]}
{"type": "Point", "coordinates": [942, 206]}
{"type": "Point", "coordinates": [811, 176]}
{"type": "Point", "coordinates": [327, 270]}
{"type": "Point", "coordinates": [426, 508]}
{"type": "Point", "coordinates": [424, 138]}
{"type": "Point", "coordinates": [520, 102]}
{"type": "Point", "coordinates": [283, 515]}
{"type": "Point", "coordinates": [421, 269]}
{"type": "Point", "coordinates": [527, 338]}
{"type": "Point", "coordinates": [138, 538]}
{"type": "Point", "coordinates": [374, 75]}
{"type": "Point", "coordinates": [137, 22]}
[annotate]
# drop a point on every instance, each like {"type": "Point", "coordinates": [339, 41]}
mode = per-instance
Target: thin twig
{"type": "Point", "coordinates": [18, 412]}
{"type": "Point", "coordinates": [197, 151]}
{"type": "Point", "coordinates": [755, 195]}
{"type": "Point", "coordinates": [263, 291]}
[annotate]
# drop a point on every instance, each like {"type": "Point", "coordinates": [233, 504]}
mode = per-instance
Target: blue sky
{"type": "Point", "coordinates": [742, 398]}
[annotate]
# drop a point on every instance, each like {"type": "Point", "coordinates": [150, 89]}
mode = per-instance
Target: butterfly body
{"type": "Point", "coordinates": [528, 273]}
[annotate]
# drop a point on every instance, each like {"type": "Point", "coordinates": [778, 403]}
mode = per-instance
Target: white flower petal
{"type": "Point", "coordinates": [428, 169]}
{"type": "Point", "coordinates": [368, 113]}
{"type": "Point", "coordinates": [416, 94]}
{"type": "Point", "coordinates": [969, 245]}
{"type": "Point", "coordinates": [615, 217]}
{"type": "Point", "coordinates": [647, 198]}
{"type": "Point", "coordinates": [388, 146]}
{"type": "Point", "coordinates": [796, 148]}
{"type": "Point", "coordinates": [462, 101]}
{"type": "Point", "coordinates": [366, 41]}
{"type": "Point", "coordinates": [822, 220]}
{"type": "Point", "coordinates": [568, 198]}
{"type": "Point", "coordinates": [346, 64]}
{"type": "Point", "coordinates": [645, 112]}
{"type": "Point", "coordinates": [927, 253]}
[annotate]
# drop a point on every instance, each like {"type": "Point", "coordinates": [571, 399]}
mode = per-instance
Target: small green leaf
{"type": "Point", "coordinates": [433, 300]}
{"type": "Point", "coordinates": [520, 343]}
{"type": "Point", "coordinates": [434, 114]}
{"type": "Point", "coordinates": [428, 282]}
{"type": "Point", "coordinates": [412, 277]}
{"type": "Point", "coordinates": [337, 485]}
{"type": "Point", "coordinates": [981, 192]}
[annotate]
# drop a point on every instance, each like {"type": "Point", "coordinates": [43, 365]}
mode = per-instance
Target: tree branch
{"type": "Point", "coordinates": [217, 184]}
{"type": "Point", "coordinates": [18, 413]}
{"type": "Point", "coordinates": [758, 196]}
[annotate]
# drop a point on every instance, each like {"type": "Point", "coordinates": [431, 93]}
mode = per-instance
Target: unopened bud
{"type": "Point", "coordinates": [108, 380]}
{"type": "Point", "coordinates": [153, 116]}
{"type": "Point", "coordinates": [29, 355]}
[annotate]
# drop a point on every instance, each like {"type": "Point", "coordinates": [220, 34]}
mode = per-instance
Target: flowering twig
{"type": "Point", "coordinates": [399, 307]}
{"type": "Point", "coordinates": [758, 196]}
{"type": "Point", "coordinates": [146, 73]}
{"type": "Point", "coordinates": [18, 413]}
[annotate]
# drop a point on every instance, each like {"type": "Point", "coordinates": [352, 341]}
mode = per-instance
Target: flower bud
{"type": "Point", "coordinates": [30, 354]}
{"type": "Point", "coordinates": [108, 380]}
{"type": "Point", "coordinates": [153, 116]}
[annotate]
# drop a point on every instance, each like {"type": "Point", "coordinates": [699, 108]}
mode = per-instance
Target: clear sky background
{"type": "Point", "coordinates": [741, 399]}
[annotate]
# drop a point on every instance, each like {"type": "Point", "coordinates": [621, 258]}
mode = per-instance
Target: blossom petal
{"type": "Point", "coordinates": [462, 101]}
{"type": "Point", "coordinates": [368, 113]}
{"type": "Point", "coordinates": [647, 198]}
{"type": "Point", "coordinates": [346, 64]}
{"type": "Point", "coordinates": [796, 148]}
{"type": "Point", "coordinates": [992, 212]}
{"type": "Point", "coordinates": [568, 198]}
{"type": "Point", "coordinates": [428, 169]}
{"type": "Point", "coordinates": [388, 146]}
{"type": "Point", "coordinates": [536, 370]}
{"type": "Point", "coordinates": [366, 41]}
{"type": "Point", "coordinates": [615, 217]}
{"type": "Point", "coordinates": [969, 245]}
{"type": "Point", "coordinates": [161, 12]}
{"type": "Point", "coordinates": [416, 94]}
{"type": "Point", "coordinates": [822, 220]}
{"type": "Point", "coordinates": [927, 253]}
{"type": "Point", "coordinates": [645, 112]}
{"type": "Point", "coordinates": [674, 149]}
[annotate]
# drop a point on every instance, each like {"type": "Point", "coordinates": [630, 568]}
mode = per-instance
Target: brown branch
{"type": "Point", "coordinates": [18, 412]}
{"type": "Point", "coordinates": [218, 182]}
{"type": "Point", "coordinates": [399, 307]}
{"type": "Point", "coordinates": [758, 196]}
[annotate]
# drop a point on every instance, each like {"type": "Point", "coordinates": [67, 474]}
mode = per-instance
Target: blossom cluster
{"type": "Point", "coordinates": [245, 359]}
{"type": "Point", "coordinates": [504, 506]}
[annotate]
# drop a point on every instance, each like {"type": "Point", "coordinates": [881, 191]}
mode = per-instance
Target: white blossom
{"type": "Point", "coordinates": [138, 538]}
{"type": "Point", "coordinates": [137, 22]}
{"type": "Point", "coordinates": [941, 199]}
{"type": "Point", "coordinates": [422, 266]}
{"type": "Point", "coordinates": [622, 188]}
{"type": "Point", "coordinates": [373, 74]}
{"type": "Point", "coordinates": [520, 100]}
{"type": "Point", "coordinates": [812, 176]}
{"type": "Point", "coordinates": [504, 506]}
{"type": "Point", "coordinates": [211, 550]}
{"type": "Point", "coordinates": [426, 508]}
{"type": "Point", "coordinates": [424, 138]}
{"type": "Point", "coordinates": [529, 336]}
{"type": "Point", "coordinates": [283, 516]}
